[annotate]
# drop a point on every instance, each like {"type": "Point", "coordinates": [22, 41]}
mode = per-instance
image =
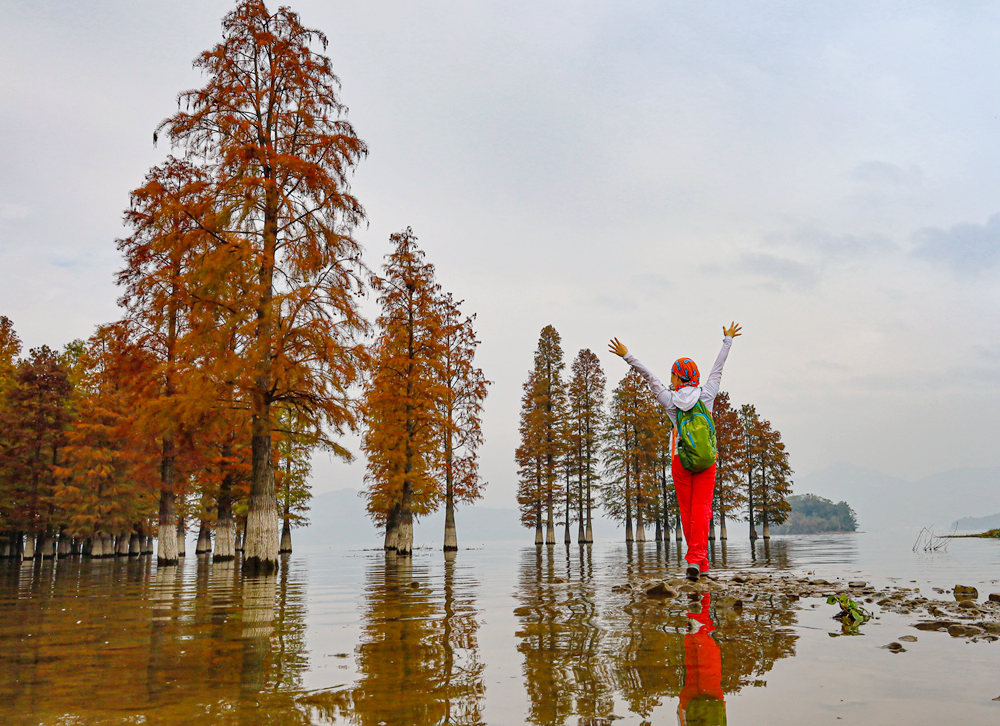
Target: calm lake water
{"type": "Point", "coordinates": [498, 634]}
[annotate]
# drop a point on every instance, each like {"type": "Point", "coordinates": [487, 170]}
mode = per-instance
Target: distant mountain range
{"type": "Point", "coordinates": [977, 524]}
{"type": "Point", "coordinates": [339, 518]}
{"type": "Point", "coordinates": [884, 502]}
{"type": "Point", "coordinates": [942, 502]}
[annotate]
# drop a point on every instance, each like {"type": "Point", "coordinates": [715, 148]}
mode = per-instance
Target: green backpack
{"type": "Point", "coordinates": [696, 445]}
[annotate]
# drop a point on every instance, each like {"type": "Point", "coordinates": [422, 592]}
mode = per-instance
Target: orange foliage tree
{"type": "Point", "coordinates": [729, 495]}
{"type": "Point", "coordinates": [585, 421]}
{"type": "Point", "coordinates": [543, 432]}
{"type": "Point", "coordinates": [402, 399]}
{"type": "Point", "coordinates": [167, 222]}
{"type": "Point", "coordinates": [33, 421]}
{"type": "Point", "coordinates": [634, 442]}
{"type": "Point", "coordinates": [110, 473]}
{"type": "Point", "coordinates": [530, 459]}
{"type": "Point", "coordinates": [283, 272]}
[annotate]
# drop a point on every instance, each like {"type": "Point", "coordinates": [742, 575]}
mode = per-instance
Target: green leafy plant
{"type": "Point", "coordinates": [851, 614]}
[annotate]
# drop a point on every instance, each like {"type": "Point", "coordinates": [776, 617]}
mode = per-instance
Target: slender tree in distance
{"type": "Point", "coordinates": [463, 390]}
{"type": "Point", "coordinates": [530, 458]}
{"type": "Point", "coordinates": [402, 400]}
{"type": "Point", "coordinates": [549, 400]}
{"type": "Point", "coordinates": [775, 482]}
{"type": "Point", "coordinates": [270, 125]}
{"type": "Point", "coordinates": [729, 495]}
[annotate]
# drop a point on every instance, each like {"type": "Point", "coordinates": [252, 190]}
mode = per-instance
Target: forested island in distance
{"type": "Point", "coordinates": [813, 514]}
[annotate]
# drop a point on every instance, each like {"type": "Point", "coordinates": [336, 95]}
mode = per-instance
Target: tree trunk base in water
{"type": "Point", "coordinates": [450, 530]}
{"type": "Point", "coordinates": [181, 538]}
{"type": "Point", "coordinates": [122, 545]}
{"type": "Point", "coordinates": [550, 534]}
{"type": "Point", "coordinates": [204, 545]}
{"type": "Point", "coordinates": [286, 539]}
{"type": "Point", "coordinates": [29, 547]}
{"type": "Point", "coordinates": [261, 538]}
{"type": "Point", "coordinates": [404, 536]}
{"type": "Point", "coordinates": [539, 539]}
{"type": "Point", "coordinates": [134, 545]}
{"type": "Point", "coordinates": [450, 539]}
{"type": "Point", "coordinates": [225, 541]}
{"type": "Point", "coordinates": [48, 548]}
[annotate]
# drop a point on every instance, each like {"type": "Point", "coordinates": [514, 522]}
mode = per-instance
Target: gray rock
{"type": "Point", "coordinates": [729, 603]}
{"type": "Point", "coordinates": [661, 589]}
{"type": "Point", "coordinates": [857, 583]}
{"type": "Point", "coordinates": [895, 647]}
{"type": "Point", "coordinates": [968, 605]}
{"type": "Point", "coordinates": [962, 631]}
{"type": "Point", "coordinates": [934, 625]}
{"type": "Point", "coordinates": [965, 592]}
{"type": "Point", "coordinates": [908, 638]}
{"type": "Point", "coordinates": [994, 597]}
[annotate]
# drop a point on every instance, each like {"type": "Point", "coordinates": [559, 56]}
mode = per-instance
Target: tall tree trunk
{"type": "Point", "coordinates": [285, 547]}
{"type": "Point", "coordinates": [29, 547]}
{"type": "Point", "coordinates": [166, 541]}
{"type": "Point", "coordinates": [640, 522]}
{"type": "Point", "coordinates": [392, 529]}
{"type": "Point", "coordinates": [181, 538]}
{"type": "Point", "coordinates": [567, 539]}
{"type": "Point", "coordinates": [722, 525]}
{"type": "Point", "coordinates": [404, 542]}
{"type": "Point", "coordinates": [581, 533]}
{"type": "Point", "coordinates": [134, 544]}
{"type": "Point", "coordinates": [766, 525]}
{"type": "Point", "coordinates": [628, 504]}
{"type": "Point", "coordinates": [286, 537]}
{"type": "Point", "coordinates": [204, 545]}
{"type": "Point", "coordinates": [590, 511]}
{"type": "Point", "coordinates": [48, 546]}
{"type": "Point", "coordinates": [65, 549]}
{"type": "Point", "coordinates": [260, 547]}
{"type": "Point", "coordinates": [750, 506]}
{"type": "Point", "coordinates": [225, 527]}
{"type": "Point", "coordinates": [659, 530]}
{"type": "Point", "coordinates": [121, 544]}
{"type": "Point", "coordinates": [550, 521]}
{"type": "Point", "coordinates": [450, 532]}
{"type": "Point", "coordinates": [539, 539]}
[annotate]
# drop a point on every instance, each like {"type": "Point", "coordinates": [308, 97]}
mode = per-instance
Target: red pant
{"type": "Point", "coordinates": [694, 499]}
{"type": "Point", "coordinates": [702, 692]}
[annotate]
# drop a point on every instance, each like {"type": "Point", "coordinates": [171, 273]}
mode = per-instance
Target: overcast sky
{"type": "Point", "coordinates": [825, 173]}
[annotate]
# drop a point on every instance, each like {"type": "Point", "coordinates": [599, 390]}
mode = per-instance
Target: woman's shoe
{"type": "Point", "coordinates": [693, 572]}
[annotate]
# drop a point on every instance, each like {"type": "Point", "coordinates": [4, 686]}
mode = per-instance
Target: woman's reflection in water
{"type": "Point", "coordinates": [702, 702]}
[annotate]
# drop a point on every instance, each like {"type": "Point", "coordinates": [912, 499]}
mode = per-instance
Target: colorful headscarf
{"type": "Point", "coordinates": [687, 371]}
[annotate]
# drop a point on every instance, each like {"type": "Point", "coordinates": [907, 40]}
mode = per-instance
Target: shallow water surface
{"type": "Point", "coordinates": [498, 634]}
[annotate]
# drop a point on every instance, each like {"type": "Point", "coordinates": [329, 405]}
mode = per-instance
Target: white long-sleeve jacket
{"type": "Point", "coordinates": [686, 398]}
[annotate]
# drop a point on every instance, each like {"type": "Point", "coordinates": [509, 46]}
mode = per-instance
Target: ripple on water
{"type": "Point", "coordinates": [501, 634]}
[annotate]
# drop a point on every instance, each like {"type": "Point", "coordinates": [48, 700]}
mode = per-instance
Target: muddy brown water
{"type": "Point", "coordinates": [498, 634]}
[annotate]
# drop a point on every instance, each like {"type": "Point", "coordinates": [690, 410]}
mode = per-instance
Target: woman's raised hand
{"type": "Point", "coordinates": [617, 347]}
{"type": "Point", "coordinates": [733, 330]}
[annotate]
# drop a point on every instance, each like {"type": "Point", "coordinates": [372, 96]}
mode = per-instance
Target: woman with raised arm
{"type": "Point", "coordinates": [689, 407]}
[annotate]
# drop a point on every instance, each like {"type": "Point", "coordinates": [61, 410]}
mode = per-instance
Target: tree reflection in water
{"type": "Point", "coordinates": [419, 656]}
{"type": "Point", "coordinates": [586, 652]}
